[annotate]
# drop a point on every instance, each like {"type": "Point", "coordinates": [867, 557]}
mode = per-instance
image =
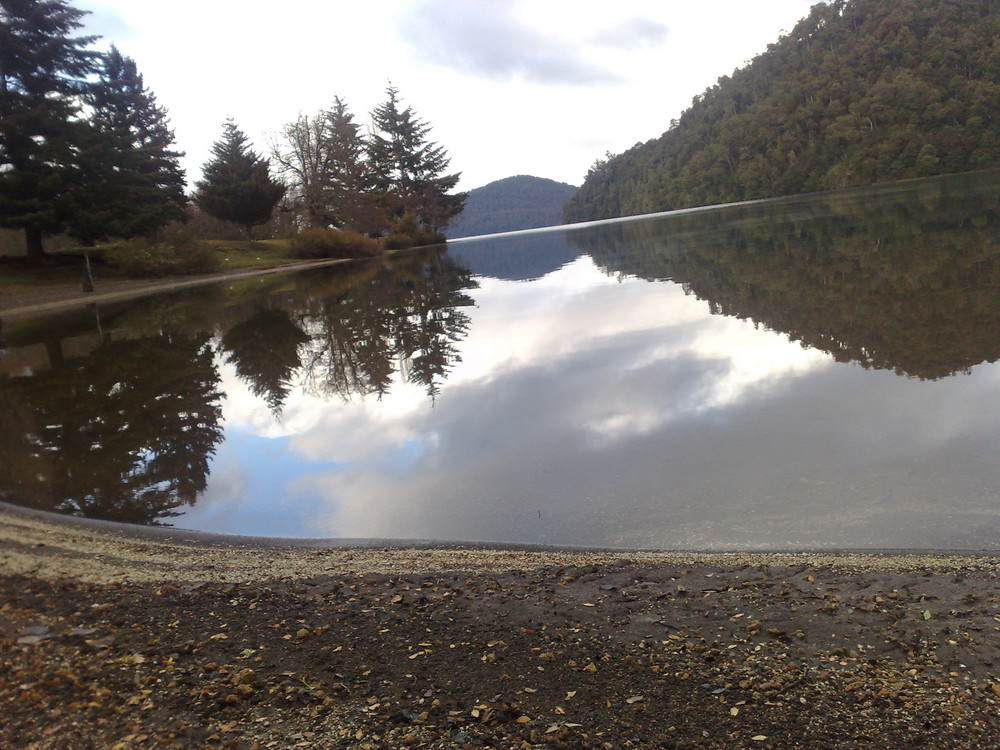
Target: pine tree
{"type": "Point", "coordinates": [132, 183]}
{"type": "Point", "coordinates": [349, 178]}
{"type": "Point", "coordinates": [409, 168]}
{"type": "Point", "coordinates": [237, 184]}
{"type": "Point", "coordinates": [42, 72]}
{"type": "Point", "coordinates": [323, 158]}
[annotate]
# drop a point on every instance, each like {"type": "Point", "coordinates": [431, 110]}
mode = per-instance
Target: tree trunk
{"type": "Point", "coordinates": [33, 242]}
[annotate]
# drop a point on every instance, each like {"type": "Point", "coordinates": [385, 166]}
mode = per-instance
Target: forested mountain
{"type": "Point", "coordinates": [521, 202]}
{"type": "Point", "coordinates": [860, 92]}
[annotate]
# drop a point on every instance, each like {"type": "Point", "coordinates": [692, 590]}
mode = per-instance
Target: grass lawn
{"type": "Point", "coordinates": [244, 254]}
{"type": "Point", "coordinates": [67, 266]}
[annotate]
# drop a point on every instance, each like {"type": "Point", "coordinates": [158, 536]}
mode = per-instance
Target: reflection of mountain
{"type": "Point", "coordinates": [117, 415]}
{"type": "Point", "coordinates": [516, 258]}
{"type": "Point", "coordinates": [905, 277]}
{"type": "Point", "coordinates": [124, 434]}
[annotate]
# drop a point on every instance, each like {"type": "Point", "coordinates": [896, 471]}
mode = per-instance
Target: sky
{"type": "Point", "coordinates": [539, 87]}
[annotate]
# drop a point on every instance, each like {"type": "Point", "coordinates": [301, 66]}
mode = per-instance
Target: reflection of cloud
{"type": "Point", "coordinates": [637, 32]}
{"type": "Point", "coordinates": [489, 41]}
{"type": "Point", "coordinates": [592, 410]}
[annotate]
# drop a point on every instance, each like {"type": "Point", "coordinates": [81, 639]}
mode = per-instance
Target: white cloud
{"type": "Point", "coordinates": [508, 86]}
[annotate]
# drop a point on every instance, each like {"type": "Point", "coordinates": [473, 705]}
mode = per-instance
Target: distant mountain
{"type": "Point", "coordinates": [520, 202]}
{"type": "Point", "coordinates": [860, 92]}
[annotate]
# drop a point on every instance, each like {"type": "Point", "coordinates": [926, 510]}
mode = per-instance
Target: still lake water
{"type": "Point", "coordinates": [810, 372]}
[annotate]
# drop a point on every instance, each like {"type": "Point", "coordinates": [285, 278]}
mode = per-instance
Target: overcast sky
{"type": "Point", "coordinates": [540, 87]}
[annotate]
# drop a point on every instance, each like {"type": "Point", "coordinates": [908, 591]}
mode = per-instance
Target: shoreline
{"type": "Point", "coordinates": [45, 298]}
{"type": "Point", "coordinates": [179, 553]}
{"type": "Point", "coordinates": [115, 637]}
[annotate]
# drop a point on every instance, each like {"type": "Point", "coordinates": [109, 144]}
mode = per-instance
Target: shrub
{"type": "Point", "coordinates": [330, 243]}
{"type": "Point", "coordinates": [407, 232]}
{"type": "Point", "coordinates": [397, 241]}
{"type": "Point", "coordinates": [174, 253]}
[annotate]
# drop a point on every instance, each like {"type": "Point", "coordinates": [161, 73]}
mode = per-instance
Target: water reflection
{"type": "Point", "coordinates": [117, 415]}
{"type": "Point", "coordinates": [723, 378]}
{"type": "Point", "coordinates": [125, 433]}
{"type": "Point", "coordinates": [905, 278]}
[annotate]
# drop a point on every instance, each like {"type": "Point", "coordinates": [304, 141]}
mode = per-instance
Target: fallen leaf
{"type": "Point", "coordinates": [523, 719]}
{"type": "Point", "coordinates": [590, 667]}
{"type": "Point", "coordinates": [633, 699]}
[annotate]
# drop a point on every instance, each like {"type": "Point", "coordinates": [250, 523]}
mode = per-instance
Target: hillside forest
{"type": "Point", "coordinates": [859, 92]}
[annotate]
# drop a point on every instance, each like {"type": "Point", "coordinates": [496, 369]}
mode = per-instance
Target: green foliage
{"type": "Point", "coordinates": [860, 92]}
{"type": "Point", "coordinates": [174, 253]}
{"type": "Point", "coordinates": [339, 178]}
{"type": "Point", "coordinates": [43, 70]}
{"type": "Point", "coordinates": [520, 202]}
{"type": "Point", "coordinates": [322, 159]}
{"type": "Point", "coordinates": [131, 182]}
{"type": "Point", "coordinates": [409, 168]}
{"type": "Point", "coordinates": [397, 241]}
{"type": "Point", "coordinates": [331, 243]}
{"type": "Point", "coordinates": [237, 184]}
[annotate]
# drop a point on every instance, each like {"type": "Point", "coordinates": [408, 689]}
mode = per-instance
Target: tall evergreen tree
{"type": "Point", "coordinates": [132, 182]}
{"type": "Point", "coordinates": [43, 68]}
{"type": "Point", "coordinates": [237, 184]}
{"type": "Point", "coordinates": [324, 160]}
{"type": "Point", "coordinates": [349, 175]}
{"type": "Point", "coordinates": [409, 168]}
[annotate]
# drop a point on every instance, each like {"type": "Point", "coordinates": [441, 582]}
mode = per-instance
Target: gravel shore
{"type": "Point", "coordinates": [115, 638]}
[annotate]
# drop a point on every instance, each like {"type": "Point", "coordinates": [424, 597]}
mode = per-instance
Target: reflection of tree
{"type": "Point", "coordinates": [265, 350]}
{"type": "Point", "coordinates": [406, 315]}
{"type": "Point", "coordinates": [120, 423]}
{"type": "Point", "coordinates": [125, 434]}
{"type": "Point", "coordinates": [905, 277]}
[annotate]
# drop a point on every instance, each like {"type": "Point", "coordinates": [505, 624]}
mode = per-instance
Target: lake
{"type": "Point", "coordinates": [811, 372]}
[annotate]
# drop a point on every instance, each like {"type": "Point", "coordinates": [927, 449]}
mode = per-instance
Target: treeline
{"type": "Point", "coordinates": [520, 202]}
{"type": "Point", "coordinates": [390, 179]}
{"type": "Point", "coordinates": [860, 92]}
{"type": "Point", "coordinates": [86, 151]}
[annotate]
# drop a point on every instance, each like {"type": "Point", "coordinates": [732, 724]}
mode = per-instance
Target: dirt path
{"type": "Point", "coordinates": [115, 640]}
{"type": "Point", "coordinates": [30, 300]}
